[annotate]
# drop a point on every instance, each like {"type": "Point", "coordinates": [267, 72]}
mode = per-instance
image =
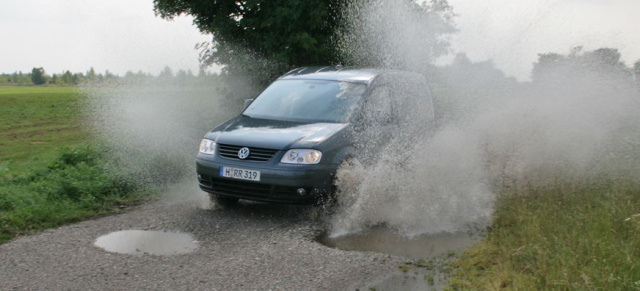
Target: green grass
{"type": "Point", "coordinates": [51, 171]}
{"type": "Point", "coordinates": [564, 236]}
{"type": "Point", "coordinates": [36, 121]}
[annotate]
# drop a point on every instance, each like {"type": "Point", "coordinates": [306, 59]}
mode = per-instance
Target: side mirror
{"type": "Point", "coordinates": [247, 102]}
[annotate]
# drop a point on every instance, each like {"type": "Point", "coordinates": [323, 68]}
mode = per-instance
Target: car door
{"type": "Point", "coordinates": [377, 122]}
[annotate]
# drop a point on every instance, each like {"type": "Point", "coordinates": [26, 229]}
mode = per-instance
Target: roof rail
{"type": "Point", "coordinates": [327, 68]}
{"type": "Point", "coordinates": [311, 70]}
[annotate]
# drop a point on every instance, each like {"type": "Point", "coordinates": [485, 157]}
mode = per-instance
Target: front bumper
{"type": "Point", "coordinates": [278, 182]}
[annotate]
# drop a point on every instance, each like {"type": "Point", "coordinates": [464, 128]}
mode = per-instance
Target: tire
{"type": "Point", "coordinates": [352, 180]}
{"type": "Point", "coordinates": [223, 201]}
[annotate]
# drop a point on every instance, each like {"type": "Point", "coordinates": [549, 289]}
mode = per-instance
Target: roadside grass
{"type": "Point", "coordinates": [561, 236]}
{"type": "Point", "coordinates": [51, 170]}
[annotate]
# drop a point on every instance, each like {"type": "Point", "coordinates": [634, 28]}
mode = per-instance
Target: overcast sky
{"type": "Point", "coordinates": [513, 32]}
{"type": "Point", "coordinates": [114, 35]}
{"type": "Point", "coordinates": [122, 35]}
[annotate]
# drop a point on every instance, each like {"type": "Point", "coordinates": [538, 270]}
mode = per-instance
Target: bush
{"type": "Point", "coordinates": [74, 185]}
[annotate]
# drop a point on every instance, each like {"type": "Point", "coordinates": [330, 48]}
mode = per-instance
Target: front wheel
{"type": "Point", "coordinates": [347, 181]}
{"type": "Point", "coordinates": [223, 201]}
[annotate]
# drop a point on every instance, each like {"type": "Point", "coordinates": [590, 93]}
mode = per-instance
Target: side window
{"type": "Point", "coordinates": [378, 109]}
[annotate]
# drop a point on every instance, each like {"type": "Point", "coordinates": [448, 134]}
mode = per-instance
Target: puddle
{"type": "Point", "coordinates": [387, 241]}
{"type": "Point", "coordinates": [428, 253]}
{"type": "Point", "coordinates": [139, 242]}
{"type": "Point", "coordinates": [419, 281]}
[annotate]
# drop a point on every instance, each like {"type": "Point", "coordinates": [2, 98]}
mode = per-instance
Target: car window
{"type": "Point", "coordinates": [378, 108]}
{"type": "Point", "coordinates": [307, 100]}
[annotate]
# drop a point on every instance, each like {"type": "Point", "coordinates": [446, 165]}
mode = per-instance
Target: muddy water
{"type": "Point", "coordinates": [139, 242]}
{"type": "Point", "coordinates": [415, 281]}
{"type": "Point", "coordinates": [385, 240]}
{"type": "Point", "coordinates": [426, 248]}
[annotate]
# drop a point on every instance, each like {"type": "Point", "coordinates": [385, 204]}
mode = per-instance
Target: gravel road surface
{"type": "Point", "coordinates": [250, 247]}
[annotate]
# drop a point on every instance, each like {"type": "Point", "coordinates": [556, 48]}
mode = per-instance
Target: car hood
{"type": "Point", "coordinates": [274, 134]}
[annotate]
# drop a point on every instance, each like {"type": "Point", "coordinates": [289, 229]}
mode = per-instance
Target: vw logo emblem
{"type": "Point", "coordinates": [243, 153]}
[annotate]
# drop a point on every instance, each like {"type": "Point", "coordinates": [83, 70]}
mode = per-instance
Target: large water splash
{"type": "Point", "coordinates": [153, 129]}
{"type": "Point", "coordinates": [575, 128]}
{"type": "Point", "coordinates": [491, 133]}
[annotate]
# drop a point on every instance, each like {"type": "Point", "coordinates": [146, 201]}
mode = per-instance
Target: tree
{"type": "Point", "coordinates": [91, 74]}
{"type": "Point", "coordinates": [603, 63]}
{"type": "Point", "coordinates": [264, 38]}
{"type": "Point", "coordinates": [256, 35]}
{"type": "Point", "coordinates": [181, 77]}
{"type": "Point", "coordinates": [202, 73]}
{"type": "Point", "coordinates": [636, 73]}
{"type": "Point", "coordinates": [547, 64]}
{"type": "Point", "coordinates": [55, 79]}
{"type": "Point", "coordinates": [67, 77]}
{"type": "Point", "coordinates": [166, 76]}
{"type": "Point", "coordinates": [606, 61]}
{"type": "Point", "coordinates": [37, 76]}
{"type": "Point", "coordinates": [166, 73]}
{"type": "Point", "coordinates": [77, 78]}
{"type": "Point", "coordinates": [109, 76]}
{"type": "Point", "coordinates": [464, 88]}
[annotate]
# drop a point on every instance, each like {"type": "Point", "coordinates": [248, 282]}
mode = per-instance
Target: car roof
{"type": "Point", "coordinates": [336, 73]}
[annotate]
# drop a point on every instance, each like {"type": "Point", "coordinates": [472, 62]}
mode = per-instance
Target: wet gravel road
{"type": "Point", "coordinates": [250, 247]}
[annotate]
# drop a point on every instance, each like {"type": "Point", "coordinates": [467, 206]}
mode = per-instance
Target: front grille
{"type": "Point", "coordinates": [247, 189]}
{"type": "Point", "coordinates": [256, 154]}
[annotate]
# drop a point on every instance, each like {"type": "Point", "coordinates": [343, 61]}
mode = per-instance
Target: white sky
{"type": "Point", "coordinates": [513, 32]}
{"type": "Point", "coordinates": [75, 35]}
{"type": "Point", "coordinates": [122, 35]}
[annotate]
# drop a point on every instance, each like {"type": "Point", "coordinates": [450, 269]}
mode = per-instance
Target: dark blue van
{"type": "Point", "coordinates": [288, 143]}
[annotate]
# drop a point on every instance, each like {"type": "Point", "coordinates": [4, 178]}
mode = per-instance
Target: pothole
{"type": "Point", "coordinates": [385, 240]}
{"type": "Point", "coordinates": [139, 242]}
{"type": "Point", "coordinates": [418, 281]}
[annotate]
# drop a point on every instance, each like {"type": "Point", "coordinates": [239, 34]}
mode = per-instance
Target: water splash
{"type": "Point", "coordinates": [575, 128]}
{"type": "Point", "coordinates": [153, 130]}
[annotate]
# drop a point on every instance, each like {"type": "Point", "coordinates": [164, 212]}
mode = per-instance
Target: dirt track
{"type": "Point", "coordinates": [249, 247]}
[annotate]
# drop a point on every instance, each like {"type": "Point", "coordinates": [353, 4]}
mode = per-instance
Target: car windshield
{"type": "Point", "coordinates": [307, 100]}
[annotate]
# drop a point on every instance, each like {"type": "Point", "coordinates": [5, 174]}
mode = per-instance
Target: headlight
{"type": "Point", "coordinates": [306, 157]}
{"type": "Point", "coordinates": [208, 147]}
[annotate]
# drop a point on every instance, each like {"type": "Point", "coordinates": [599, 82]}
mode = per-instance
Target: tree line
{"type": "Point", "coordinates": [38, 76]}
{"type": "Point", "coordinates": [254, 41]}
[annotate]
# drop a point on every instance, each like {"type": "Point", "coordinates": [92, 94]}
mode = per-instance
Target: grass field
{"type": "Point", "coordinates": [51, 171]}
{"type": "Point", "coordinates": [36, 121]}
{"type": "Point", "coordinates": [564, 236]}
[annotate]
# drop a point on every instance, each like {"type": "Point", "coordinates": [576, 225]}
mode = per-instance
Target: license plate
{"type": "Point", "coordinates": [243, 174]}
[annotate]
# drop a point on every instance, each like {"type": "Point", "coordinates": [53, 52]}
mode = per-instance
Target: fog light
{"type": "Point", "coordinates": [301, 192]}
